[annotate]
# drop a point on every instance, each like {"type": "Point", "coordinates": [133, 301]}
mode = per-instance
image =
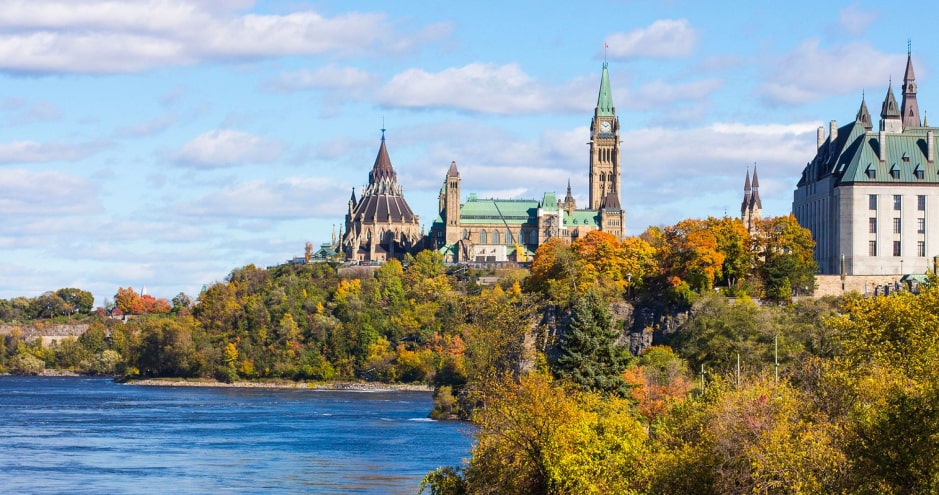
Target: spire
{"type": "Point", "coordinates": [605, 98]}
{"type": "Point", "coordinates": [453, 171]}
{"type": "Point", "coordinates": [889, 107]}
{"type": "Point", "coordinates": [890, 120]}
{"type": "Point", "coordinates": [863, 116]}
{"type": "Point", "coordinates": [755, 203]}
{"type": "Point", "coordinates": [745, 204]}
{"type": "Point", "coordinates": [909, 109]}
{"type": "Point", "coordinates": [746, 183]}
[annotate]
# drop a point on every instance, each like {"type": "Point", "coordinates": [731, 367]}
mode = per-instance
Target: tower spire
{"type": "Point", "coordinates": [605, 98]}
{"type": "Point", "coordinates": [909, 109]}
{"type": "Point", "coordinates": [864, 116]}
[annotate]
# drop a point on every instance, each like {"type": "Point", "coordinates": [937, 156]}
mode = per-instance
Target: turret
{"type": "Point", "coordinates": [909, 109]}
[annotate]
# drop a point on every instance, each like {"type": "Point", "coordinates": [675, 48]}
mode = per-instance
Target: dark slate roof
{"type": "Point", "coordinates": [383, 200]}
{"type": "Point", "coordinates": [453, 172]}
{"type": "Point", "coordinates": [610, 202]}
{"type": "Point", "coordinates": [863, 116]}
{"type": "Point", "coordinates": [889, 108]}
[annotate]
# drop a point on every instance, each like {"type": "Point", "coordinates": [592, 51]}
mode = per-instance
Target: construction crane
{"type": "Point", "coordinates": [519, 252]}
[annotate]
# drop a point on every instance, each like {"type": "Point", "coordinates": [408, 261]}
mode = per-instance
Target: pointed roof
{"type": "Point", "coordinates": [382, 168]}
{"type": "Point", "coordinates": [909, 108]}
{"type": "Point", "coordinates": [863, 116]}
{"type": "Point", "coordinates": [755, 202]}
{"type": "Point", "coordinates": [453, 171]}
{"type": "Point", "coordinates": [889, 109]}
{"type": "Point", "coordinates": [746, 183]}
{"type": "Point", "coordinates": [605, 98]}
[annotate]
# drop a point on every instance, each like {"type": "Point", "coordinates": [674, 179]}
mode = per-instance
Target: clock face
{"type": "Point", "coordinates": [605, 126]}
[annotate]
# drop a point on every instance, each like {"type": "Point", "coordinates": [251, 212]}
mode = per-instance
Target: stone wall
{"type": "Point", "coordinates": [831, 285]}
{"type": "Point", "coordinates": [47, 333]}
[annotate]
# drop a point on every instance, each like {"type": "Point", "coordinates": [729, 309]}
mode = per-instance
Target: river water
{"type": "Point", "coordinates": [89, 435]}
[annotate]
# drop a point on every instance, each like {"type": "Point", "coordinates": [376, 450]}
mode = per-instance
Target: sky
{"type": "Point", "coordinates": [160, 144]}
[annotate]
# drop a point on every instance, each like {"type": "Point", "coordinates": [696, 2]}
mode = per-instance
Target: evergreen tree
{"type": "Point", "coordinates": [588, 354]}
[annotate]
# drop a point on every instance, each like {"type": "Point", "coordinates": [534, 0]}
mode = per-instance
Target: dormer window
{"type": "Point", "coordinates": [871, 172]}
{"type": "Point", "coordinates": [906, 158]}
{"type": "Point", "coordinates": [895, 171]}
{"type": "Point", "coordinates": [918, 172]}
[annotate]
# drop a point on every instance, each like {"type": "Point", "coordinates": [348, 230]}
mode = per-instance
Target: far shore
{"type": "Point", "coordinates": [281, 384]}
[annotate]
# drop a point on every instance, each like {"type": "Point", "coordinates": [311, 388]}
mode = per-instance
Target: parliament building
{"type": "Point", "coordinates": [380, 225]}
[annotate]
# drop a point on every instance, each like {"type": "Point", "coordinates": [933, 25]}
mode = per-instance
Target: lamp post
{"type": "Point", "coordinates": [629, 284]}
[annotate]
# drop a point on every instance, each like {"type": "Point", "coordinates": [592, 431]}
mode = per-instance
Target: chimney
{"type": "Point", "coordinates": [930, 147]}
{"type": "Point", "coordinates": [833, 131]}
{"type": "Point", "coordinates": [820, 137]}
{"type": "Point", "coordinates": [882, 144]}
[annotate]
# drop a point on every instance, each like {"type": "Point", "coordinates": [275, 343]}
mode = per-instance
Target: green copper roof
{"type": "Point", "coordinates": [489, 211]}
{"type": "Point", "coordinates": [579, 218]}
{"type": "Point", "coordinates": [905, 160]}
{"type": "Point", "coordinates": [605, 99]}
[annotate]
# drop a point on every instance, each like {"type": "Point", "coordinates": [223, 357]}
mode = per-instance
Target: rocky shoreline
{"type": "Point", "coordinates": [280, 384]}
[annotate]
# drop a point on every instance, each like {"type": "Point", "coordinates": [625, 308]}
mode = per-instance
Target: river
{"type": "Point", "coordinates": [90, 435]}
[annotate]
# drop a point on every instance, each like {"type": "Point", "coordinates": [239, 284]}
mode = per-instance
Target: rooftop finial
{"type": "Point", "coordinates": [909, 46]}
{"type": "Point", "coordinates": [383, 128]}
{"type": "Point", "coordinates": [605, 47]}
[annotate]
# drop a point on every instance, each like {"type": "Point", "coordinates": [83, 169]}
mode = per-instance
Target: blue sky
{"type": "Point", "coordinates": [160, 144]}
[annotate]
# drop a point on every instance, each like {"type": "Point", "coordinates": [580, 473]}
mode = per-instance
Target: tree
{"type": "Point", "coordinates": [181, 302]}
{"type": "Point", "coordinates": [128, 301]}
{"type": "Point", "coordinates": [787, 250]}
{"type": "Point", "coordinates": [80, 300]}
{"type": "Point", "coordinates": [588, 355]}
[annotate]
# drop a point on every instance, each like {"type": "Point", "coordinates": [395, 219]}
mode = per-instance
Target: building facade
{"type": "Point", "coordinates": [380, 225]}
{"type": "Point", "coordinates": [867, 196]}
{"type": "Point", "coordinates": [499, 230]}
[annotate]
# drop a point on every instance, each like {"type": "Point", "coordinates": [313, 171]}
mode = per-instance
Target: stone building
{"type": "Point", "coordinates": [867, 196]}
{"type": "Point", "coordinates": [497, 230]}
{"type": "Point", "coordinates": [379, 224]}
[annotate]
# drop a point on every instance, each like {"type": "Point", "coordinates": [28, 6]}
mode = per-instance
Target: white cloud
{"type": "Point", "coordinates": [226, 147]}
{"type": "Point", "coordinates": [41, 194]}
{"type": "Point", "coordinates": [478, 87]}
{"type": "Point", "coordinates": [665, 38]}
{"type": "Point", "coordinates": [33, 152]}
{"type": "Point", "coordinates": [105, 36]}
{"type": "Point", "coordinates": [282, 199]}
{"type": "Point", "coordinates": [828, 72]}
{"type": "Point", "coordinates": [330, 77]}
{"type": "Point", "coordinates": [854, 20]}
{"type": "Point", "coordinates": [147, 128]}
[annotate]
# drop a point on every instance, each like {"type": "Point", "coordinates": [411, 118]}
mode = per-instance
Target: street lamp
{"type": "Point", "coordinates": [629, 284]}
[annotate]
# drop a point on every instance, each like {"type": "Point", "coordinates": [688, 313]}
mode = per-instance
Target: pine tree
{"type": "Point", "coordinates": [588, 354]}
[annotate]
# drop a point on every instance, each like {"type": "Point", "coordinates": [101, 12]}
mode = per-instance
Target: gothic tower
{"type": "Point", "coordinates": [755, 208]}
{"type": "Point", "coordinates": [909, 109]}
{"type": "Point", "coordinates": [745, 204]}
{"type": "Point", "coordinates": [604, 147]}
{"type": "Point", "coordinates": [451, 212]}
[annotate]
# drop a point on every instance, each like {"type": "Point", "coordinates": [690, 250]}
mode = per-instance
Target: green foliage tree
{"type": "Point", "coordinates": [588, 355]}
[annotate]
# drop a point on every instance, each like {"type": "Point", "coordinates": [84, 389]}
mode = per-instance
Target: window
{"type": "Point", "coordinates": [918, 173]}
{"type": "Point", "coordinates": [920, 225]}
{"type": "Point", "coordinates": [897, 202]}
{"type": "Point", "coordinates": [895, 172]}
{"type": "Point", "coordinates": [896, 248]}
{"type": "Point", "coordinates": [873, 225]}
{"type": "Point", "coordinates": [533, 237]}
{"type": "Point", "coordinates": [921, 248]}
{"type": "Point", "coordinates": [872, 248]}
{"type": "Point", "coordinates": [896, 225]}
{"type": "Point", "coordinates": [872, 201]}
{"type": "Point", "coordinates": [509, 237]}
{"type": "Point", "coordinates": [483, 238]}
{"type": "Point", "coordinates": [495, 237]}
{"type": "Point", "coordinates": [465, 234]}
{"type": "Point", "coordinates": [921, 203]}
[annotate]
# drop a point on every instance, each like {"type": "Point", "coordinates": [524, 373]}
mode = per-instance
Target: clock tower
{"type": "Point", "coordinates": [604, 147]}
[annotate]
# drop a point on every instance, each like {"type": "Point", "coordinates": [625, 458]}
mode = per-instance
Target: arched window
{"type": "Point", "coordinates": [495, 237]}
{"type": "Point", "coordinates": [508, 237]}
{"type": "Point", "coordinates": [483, 238]}
{"type": "Point", "coordinates": [465, 234]}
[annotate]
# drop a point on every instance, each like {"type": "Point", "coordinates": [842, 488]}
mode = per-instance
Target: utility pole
{"type": "Point", "coordinates": [738, 369]}
{"type": "Point", "coordinates": [776, 357]}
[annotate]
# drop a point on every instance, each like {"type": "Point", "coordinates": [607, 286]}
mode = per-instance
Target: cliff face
{"type": "Point", "coordinates": [643, 326]}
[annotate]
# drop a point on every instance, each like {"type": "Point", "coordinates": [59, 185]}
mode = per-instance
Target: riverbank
{"type": "Point", "coordinates": [281, 384]}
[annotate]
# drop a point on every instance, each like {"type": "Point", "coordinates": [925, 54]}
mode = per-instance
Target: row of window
{"type": "Point", "coordinates": [497, 237]}
{"type": "Point", "coordinates": [897, 225]}
{"type": "Point", "coordinates": [920, 248]}
{"type": "Point", "coordinates": [918, 172]}
{"type": "Point", "coordinates": [897, 202]}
